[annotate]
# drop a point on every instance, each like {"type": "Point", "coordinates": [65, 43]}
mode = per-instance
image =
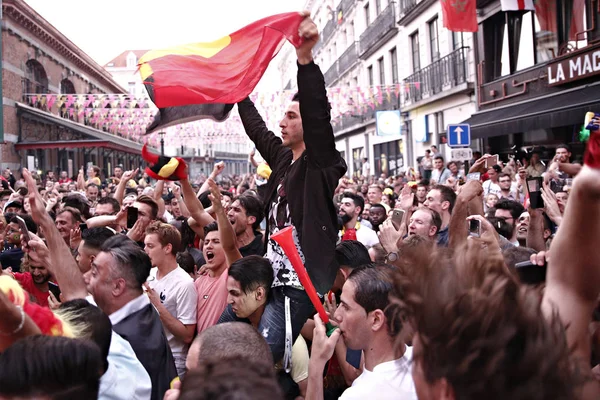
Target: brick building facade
{"type": "Point", "coordinates": [37, 58]}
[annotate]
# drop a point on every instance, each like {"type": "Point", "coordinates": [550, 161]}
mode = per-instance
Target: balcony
{"type": "Point", "coordinates": [348, 58]}
{"type": "Point", "coordinates": [332, 73]}
{"type": "Point", "coordinates": [328, 31]}
{"type": "Point", "coordinates": [443, 74]}
{"type": "Point", "coordinates": [383, 28]}
{"type": "Point", "coordinates": [409, 10]}
{"type": "Point", "coordinates": [344, 7]}
{"type": "Point", "coordinates": [342, 64]}
{"type": "Point", "coordinates": [407, 6]}
{"type": "Point", "coordinates": [363, 106]}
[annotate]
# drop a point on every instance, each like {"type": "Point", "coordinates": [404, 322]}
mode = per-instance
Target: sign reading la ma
{"type": "Point", "coordinates": [581, 66]}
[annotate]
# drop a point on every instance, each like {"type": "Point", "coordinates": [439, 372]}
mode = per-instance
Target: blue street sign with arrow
{"type": "Point", "coordinates": [459, 135]}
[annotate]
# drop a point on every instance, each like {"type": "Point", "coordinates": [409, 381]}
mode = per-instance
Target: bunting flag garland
{"type": "Point", "coordinates": [129, 117]}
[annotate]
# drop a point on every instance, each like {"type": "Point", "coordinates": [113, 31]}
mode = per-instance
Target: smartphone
{"type": "Point", "coordinates": [490, 162]}
{"type": "Point", "coordinates": [474, 176]}
{"type": "Point", "coordinates": [397, 218]}
{"type": "Point", "coordinates": [53, 287]}
{"type": "Point", "coordinates": [474, 228]}
{"type": "Point", "coordinates": [534, 188]}
{"type": "Point", "coordinates": [132, 216]}
{"type": "Point", "coordinates": [23, 227]}
{"type": "Point", "coordinates": [83, 227]}
{"type": "Point", "coordinates": [531, 274]}
{"type": "Point", "coordinates": [519, 164]}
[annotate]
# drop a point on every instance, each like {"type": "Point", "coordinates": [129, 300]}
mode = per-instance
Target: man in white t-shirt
{"type": "Point", "coordinates": [366, 168]}
{"type": "Point", "coordinates": [440, 173]}
{"type": "Point", "coordinates": [171, 290]}
{"type": "Point", "coordinates": [491, 186]}
{"type": "Point", "coordinates": [366, 323]}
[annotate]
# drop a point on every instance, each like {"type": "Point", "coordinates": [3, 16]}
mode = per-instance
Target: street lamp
{"type": "Point", "coordinates": [162, 143]}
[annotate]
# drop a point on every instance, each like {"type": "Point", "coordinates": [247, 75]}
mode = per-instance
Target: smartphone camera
{"type": "Point", "coordinates": [534, 187]}
{"type": "Point", "coordinates": [474, 228]}
{"type": "Point", "coordinates": [132, 216]}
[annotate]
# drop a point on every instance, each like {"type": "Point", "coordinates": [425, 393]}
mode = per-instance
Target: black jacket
{"type": "Point", "coordinates": [311, 180]}
{"type": "Point", "coordinates": [144, 332]}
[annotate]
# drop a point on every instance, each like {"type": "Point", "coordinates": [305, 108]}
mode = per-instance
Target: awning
{"type": "Point", "coordinates": [97, 138]}
{"type": "Point", "coordinates": [66, 144]}
{"type": "Point", "coordinates": [562, 109]}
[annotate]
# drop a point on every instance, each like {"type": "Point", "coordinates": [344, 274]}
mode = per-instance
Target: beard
{"type": "Point", "coordinates": [40, 280]}
{"type": "Point", "coordinates": [345, 218]}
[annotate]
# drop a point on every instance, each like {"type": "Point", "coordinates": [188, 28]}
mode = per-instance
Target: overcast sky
{"type": "Point", "coordinates": [103, 29]}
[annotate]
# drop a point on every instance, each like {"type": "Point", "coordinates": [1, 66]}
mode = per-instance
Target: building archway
{"type": "Point", "coordinates": [36, 79]}
{"type": "Point", "coordinates": [67, 87]}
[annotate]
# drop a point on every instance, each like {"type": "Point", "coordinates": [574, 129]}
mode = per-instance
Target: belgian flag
{"type": "Point", "coordinates": [224, 71]}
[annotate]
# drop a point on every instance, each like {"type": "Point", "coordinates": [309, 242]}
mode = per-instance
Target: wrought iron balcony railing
{"type": "Point", "coordinates": [385, 23]}
{"type": "Point", "coordinates": [332, 73]}
{"type": "Point", "coordinates": [348, 58]}
{"type": "Point", "coordinates": [407, 6]}
{"type": "Point", "coordinates": [442, 74]}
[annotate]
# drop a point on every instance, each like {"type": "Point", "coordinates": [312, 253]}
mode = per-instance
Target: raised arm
{"type": "Point", "coordinates": [217, 169]}
{"type": "Point", "coordinates": [573, 279]}
{"type": "Point", "coordinates": [251, 158]}
{"type": "Point", "coordinates": [63, 265]}
{"type": "Point", "coordinates": [226, 232]}
{"type": "Point", "coordinates": [81, 180]}
{"type": "Point", "coordinates": [157, 197]}
{"type": "Point", "coordinates": [458, 227]}
{"type": "Point", "coordinates": [571, 169]}
{"type": "Point", "coordinates": [314, 106]}
{"type": "Point", "coordinates": [197, 212]}
{"type": "Point", "coordinates": [120, 192]}
{"type": "Point", "coordinates": [269, 145]}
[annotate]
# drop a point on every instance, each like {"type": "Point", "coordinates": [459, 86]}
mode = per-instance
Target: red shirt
{"type": "Point", "coordinates": [26, 281]}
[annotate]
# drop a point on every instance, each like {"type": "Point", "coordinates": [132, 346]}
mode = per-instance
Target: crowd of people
{"type": "Point", "coordinates": [441, 282]}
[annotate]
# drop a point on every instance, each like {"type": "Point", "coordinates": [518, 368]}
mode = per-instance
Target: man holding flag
{"type": "Point", "coordinates": [306, 168]}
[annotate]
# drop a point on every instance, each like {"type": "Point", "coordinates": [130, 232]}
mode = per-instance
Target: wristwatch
{"type": "Point", "coordinates": [391, 257]}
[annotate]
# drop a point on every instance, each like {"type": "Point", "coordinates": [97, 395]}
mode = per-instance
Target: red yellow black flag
{"type": "Point", "coordinates": [223, 71]}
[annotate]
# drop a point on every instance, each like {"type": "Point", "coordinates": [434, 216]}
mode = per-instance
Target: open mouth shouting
{"type": "Point", "coordinates": [209, 256]}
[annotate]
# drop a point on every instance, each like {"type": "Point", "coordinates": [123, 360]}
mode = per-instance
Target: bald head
{"type": "Point", "coordinates": [230, 339]}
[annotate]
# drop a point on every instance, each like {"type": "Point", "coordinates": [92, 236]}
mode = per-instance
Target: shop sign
{"type": "Point", "coordinates": [581, 66]}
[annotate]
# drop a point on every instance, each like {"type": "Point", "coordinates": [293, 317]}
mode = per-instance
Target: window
{"type": "Point", "coordinates": [416, 56]}
{"type": "Point", "coordinates": [36, 80]}
{"type": "Point", "coordinates": [131, 88]}
{"type": "Point", "coordinates": [367, 15]}
{"type": "Point", "coordinates": [434, 40]}
{"type": "Point", "coordinates": [66, 87]}
{"type": "Point", "coordinates": [351, 32]}
{"type": "Point", "coordinates": [457, 40]}
{"type": "Point", "coordinates": [370, 75]}
{"type": "Point", "coordinates": [514, 42]}
{"type": "Point", "coordinates": [381, 66]}
{"type": "Point", "coordinates": [377, 7]}
{"type": "Point", "coordinates": [394, 58]}
{"type": "Point", "coordinates": [357, 155]}
{"type": "Point", "coordinates": [389, 158]}
{"type": "Point", "coordinates": [131, 60]}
